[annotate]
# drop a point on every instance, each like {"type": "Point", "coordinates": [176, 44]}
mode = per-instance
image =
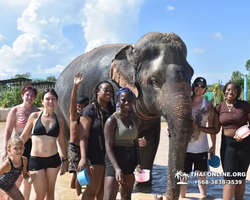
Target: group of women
{"type": "Point", "coordinates": [118, 137]}
{"type": "Point", "coordinates": [109, 141]}
{"type": "Point", "coordinates": [41, 131]}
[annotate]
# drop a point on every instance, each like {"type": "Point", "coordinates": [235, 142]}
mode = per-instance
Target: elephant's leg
{"type": "Point", "coordinates": [66, 131]}
{"type": "Point", "coordinates": [152, 135]}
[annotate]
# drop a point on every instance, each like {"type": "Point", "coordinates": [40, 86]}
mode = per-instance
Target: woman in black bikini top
{"type": "Point", "coordinates": [45, 162]}
{"type": "Point", "coordinates": [39, 128]}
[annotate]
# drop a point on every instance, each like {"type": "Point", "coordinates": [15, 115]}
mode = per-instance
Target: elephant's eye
{"type": "Point", "coordinates": [155, 82]}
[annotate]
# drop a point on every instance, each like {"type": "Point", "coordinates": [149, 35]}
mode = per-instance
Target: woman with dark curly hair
{"type": "Point", "coordinates": [231, 115]}
{"type": "Point", "coordinates": [92, 143]}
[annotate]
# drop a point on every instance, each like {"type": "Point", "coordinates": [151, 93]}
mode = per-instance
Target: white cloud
{"type": "Point", "coordinates": [170, 8]}
{"type": "Point", "coordinates": [2, 38]}
{"type": "Point", "coordinates": [106, 23]}
{"type": "Point", "coordinates": [41, 42]}
{"type": "Point", "coordinates": [52, 70]}
{"type": "Point", "coordinates": [15, 3]}
{"type": "Point", "coordinates": [218, 36]}
{"type": "Point", "coordinates": [198, 50]}
{"type": "Point", "coordinates": [41, 48]}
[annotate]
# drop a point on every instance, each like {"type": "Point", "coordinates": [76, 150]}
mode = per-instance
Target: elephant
{"type": "Point", "coordinates": [156, 70]}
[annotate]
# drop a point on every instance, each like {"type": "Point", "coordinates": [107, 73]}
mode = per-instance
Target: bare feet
{"type": "Point", "coordinates": [158, 198]}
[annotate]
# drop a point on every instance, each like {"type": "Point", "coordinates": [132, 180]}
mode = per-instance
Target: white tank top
{"type": "Point", "coordinates": [199, 142]}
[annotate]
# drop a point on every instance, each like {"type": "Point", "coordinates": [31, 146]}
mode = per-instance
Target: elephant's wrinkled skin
{"type": "Point", "coordinates": [158, 72]}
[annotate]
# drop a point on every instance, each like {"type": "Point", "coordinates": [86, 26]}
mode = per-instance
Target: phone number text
{"type": "Point", "coordinates": [218, 182]}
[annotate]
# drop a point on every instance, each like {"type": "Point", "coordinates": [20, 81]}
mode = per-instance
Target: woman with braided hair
{"type": "Point", "coordinates": [122, 147]}
{"type": "Point", "coordinates": [92, 143]}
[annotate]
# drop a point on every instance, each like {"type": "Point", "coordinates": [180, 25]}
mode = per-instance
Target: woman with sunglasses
{"type": "Point", "coordinates": [198, 148]}
{"type": "Point", "coordinates": [17, 120]}
{"type": "Point", "coordinates": [231, 115]}
{"type": "Point", "coordinates": [92, 144]}
{"type": "Point", "coordinates": [121, 141]}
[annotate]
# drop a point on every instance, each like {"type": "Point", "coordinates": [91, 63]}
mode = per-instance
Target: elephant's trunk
{"type": "Point", "coordinates": [178, 115]}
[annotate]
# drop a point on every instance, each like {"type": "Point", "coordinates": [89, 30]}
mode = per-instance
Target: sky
{"type": "Point", "coordinates": [43, 36]}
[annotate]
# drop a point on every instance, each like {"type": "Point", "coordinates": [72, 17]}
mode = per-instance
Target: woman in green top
{"type": "Point", "coordinates": [122, 148]}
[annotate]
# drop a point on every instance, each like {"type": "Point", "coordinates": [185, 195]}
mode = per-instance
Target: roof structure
{"type": "Point", "coordinates": [36, 82]}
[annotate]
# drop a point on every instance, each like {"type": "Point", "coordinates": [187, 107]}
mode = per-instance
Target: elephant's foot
{"type": "Point", "coordinates": [158, 198]}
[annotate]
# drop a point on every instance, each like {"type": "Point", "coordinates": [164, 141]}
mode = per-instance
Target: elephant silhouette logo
{"type": "Point", "coordinates": [182, 177]}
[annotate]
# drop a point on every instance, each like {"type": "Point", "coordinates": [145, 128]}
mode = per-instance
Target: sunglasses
{"type": "Point", "coordinates": [201, 86]}
{"type": "Point", "coordinates": [106, 91]}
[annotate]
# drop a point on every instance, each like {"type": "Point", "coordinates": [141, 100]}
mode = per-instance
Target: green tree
{"type": "Point", "coordinates": [205, 96]}
{"type": "Point", "coordinates": [51, 78]}
{"type": "Point", "coordinates": [218, 95]}
{"type": "Point", "coordinates": [17, 96]}
{"type": "Point", "coordinates": [248, 65]}
{"type": "Point", "coordinates": [25, 75]}
{"type": "Point", "coordinates": [37, 101]}
{"type": "Point", "coordinates": [238, 77]}
{"type": "Point", "coordinates": [7, 100]}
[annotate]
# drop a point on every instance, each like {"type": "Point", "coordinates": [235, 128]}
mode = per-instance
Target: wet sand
{"type": "Point", "coordinates": [159, 182]}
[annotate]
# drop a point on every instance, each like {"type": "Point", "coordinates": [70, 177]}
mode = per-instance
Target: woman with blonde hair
{"type": "Point", "coordinates": [12, 167]}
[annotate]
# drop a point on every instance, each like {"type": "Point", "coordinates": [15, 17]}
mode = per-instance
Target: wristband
{"type": "Point", "coordinates": [65, 159]}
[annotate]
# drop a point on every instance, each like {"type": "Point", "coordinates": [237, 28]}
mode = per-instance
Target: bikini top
{"type": "Point", "coordinates": [39, 128]}
{"type": "Point", "coordinates": [22, 120]}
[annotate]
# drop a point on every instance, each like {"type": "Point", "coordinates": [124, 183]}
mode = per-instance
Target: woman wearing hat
{"type": "Point", "coordinates": [198, 148]}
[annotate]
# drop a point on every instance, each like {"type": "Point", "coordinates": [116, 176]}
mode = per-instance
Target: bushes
{"type": "Point", "coordinates": [7, 100]}
{"type": "Point", "coordinates": [37, 101]}
{"type": "Point", "coordinates": [12, 96]}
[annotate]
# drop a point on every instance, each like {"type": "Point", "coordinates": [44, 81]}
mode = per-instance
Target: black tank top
{"type": "Point", "coordinates": [39, 128]}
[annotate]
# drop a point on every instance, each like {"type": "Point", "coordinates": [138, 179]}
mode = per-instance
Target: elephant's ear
{"type": "Point", "coordinates": [122, 69]}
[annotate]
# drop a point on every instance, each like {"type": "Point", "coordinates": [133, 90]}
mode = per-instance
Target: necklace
{"type": "Point", "coordinates": [230, 106]}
